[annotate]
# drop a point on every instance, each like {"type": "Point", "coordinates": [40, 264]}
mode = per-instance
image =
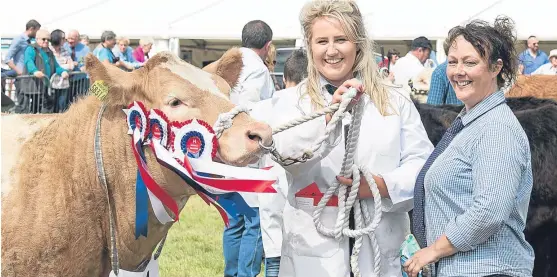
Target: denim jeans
{"type": "Point", "coordinates": [272, 266]}
{"type": "Point", "coordinates": [243, 247]}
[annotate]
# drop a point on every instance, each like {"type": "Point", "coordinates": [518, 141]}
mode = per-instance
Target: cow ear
{"type": "Point", "coordinates": [228, 67]}
{"type": "Point", "coordinates": [116, 81]}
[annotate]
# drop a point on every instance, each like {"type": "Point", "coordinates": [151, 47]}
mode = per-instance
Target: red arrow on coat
{"type": "Point", "coordinates": [312, 191]}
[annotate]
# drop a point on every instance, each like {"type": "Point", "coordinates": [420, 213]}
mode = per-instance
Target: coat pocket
{"type": "Point", "coordinates": [302, 237]}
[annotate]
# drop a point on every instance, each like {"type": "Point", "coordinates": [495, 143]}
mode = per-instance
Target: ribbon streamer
{"type": "Point", "coordinates": [187, 148]}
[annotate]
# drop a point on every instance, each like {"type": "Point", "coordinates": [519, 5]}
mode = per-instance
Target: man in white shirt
{"type": "Point", "coordinates": [412, 64]}
{"type": "Point", "coordinates": [255, 82]}
{"type": "Point", "coordinates": [549, 68]}
{"type": "Point", "coordinates": [242, 243]}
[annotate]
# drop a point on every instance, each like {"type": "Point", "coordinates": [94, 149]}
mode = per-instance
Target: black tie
{"type": "Point", "coordinates": [330, 88]}
{"type": "Point", "coordinates": [418, 218]}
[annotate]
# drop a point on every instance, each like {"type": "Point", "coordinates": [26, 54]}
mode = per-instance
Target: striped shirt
{"type": "Point", "coordinates": [478, 191]}
{"type": "Point", "coordinates": [440, 89]}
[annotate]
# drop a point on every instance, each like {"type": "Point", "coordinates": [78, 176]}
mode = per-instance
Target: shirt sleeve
{"type": "Point", "coordinates": [415, 149]}
{"type": "Point", "coordinates": [29, 58]}
{"type": "Point", "coordinates": [15, 47]}
{"type": "Point", "coordinates": [104, 55]}
{"type": "Point", "coordinates": [500, 159]}
{"type": "Point", "coordinates": [438, 87]}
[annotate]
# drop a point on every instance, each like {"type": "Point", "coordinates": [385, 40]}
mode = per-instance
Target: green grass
{"type": "Point", "coordinates": [193, 247]}
{"type": "Point", "coordinates": [194, 244]}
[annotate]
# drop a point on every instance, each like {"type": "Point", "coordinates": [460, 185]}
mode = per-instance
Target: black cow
{"type": "Point", "coordinates": [538, 117]}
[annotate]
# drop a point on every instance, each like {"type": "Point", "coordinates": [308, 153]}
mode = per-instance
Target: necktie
{"type": "Point", "coordinates": [330, 88]}
{"type": "Point", "coordinates": [73, 54]}
{"type": "Point", "coordinates": [418, 219]}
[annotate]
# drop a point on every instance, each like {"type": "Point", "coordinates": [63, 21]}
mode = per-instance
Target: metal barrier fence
{"type": "Point", "coordinates": [37, 95]}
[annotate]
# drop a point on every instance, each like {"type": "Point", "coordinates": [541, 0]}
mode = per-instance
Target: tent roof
{"type": "Point", "coordinates": [224, 19]}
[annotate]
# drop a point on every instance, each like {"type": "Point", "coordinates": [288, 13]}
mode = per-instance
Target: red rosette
{"type": "Point", "coordinates": [137, 117]}
{"type": "Point", "coordinates": [194, 131]}
{"type": "Point", "coordinates": [159, 127]}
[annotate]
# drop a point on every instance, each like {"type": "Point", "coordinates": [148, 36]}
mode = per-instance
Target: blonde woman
{"type": "Point", "coordinates": [393, 145]}
{"type": "Point", "coordinates": [270, 62]}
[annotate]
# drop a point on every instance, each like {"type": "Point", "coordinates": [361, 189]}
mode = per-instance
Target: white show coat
{"type": "Point", "coordinates": [395, 146]}
{"type": "Point", "coordinates": [254, 84]}
{"type": "Point", "coordinates": [271, 205]}
{"type": "Point", "coordinates": [405, 69]}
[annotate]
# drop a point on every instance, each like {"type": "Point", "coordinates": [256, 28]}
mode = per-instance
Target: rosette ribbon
{"type": "Point", "coordinates": [188, 148]}
{"type": "Point", "coordinates": [147, 189]}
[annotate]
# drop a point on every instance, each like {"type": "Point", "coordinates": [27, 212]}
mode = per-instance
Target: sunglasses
{"type": "Point", "coordinates": [45, 39]}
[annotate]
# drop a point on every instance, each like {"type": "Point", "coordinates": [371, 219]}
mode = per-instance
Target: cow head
{"type": "Point", "coordinates": [183, 91]}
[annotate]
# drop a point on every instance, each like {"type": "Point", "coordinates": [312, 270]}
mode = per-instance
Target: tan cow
{"type": "Point", "coordinates": [54, 210]}
{"type": "Point", "coordinates": [540, 86]}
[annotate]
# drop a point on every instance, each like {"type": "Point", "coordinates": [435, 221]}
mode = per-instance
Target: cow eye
{"type": "Point", "coordinates": [175, 103]}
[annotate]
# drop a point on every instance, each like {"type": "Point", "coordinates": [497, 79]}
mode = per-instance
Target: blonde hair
{"type": "Point", "coordinates": [365, 66]}
{"type": "Point", "coordinates": [124, 40]}
{"type": "Point", "coordinates": [42, 33]}
{"type": "Point", "coordinates": [146, 41]}
{"type": "Point", "coordinates": [271, 56]}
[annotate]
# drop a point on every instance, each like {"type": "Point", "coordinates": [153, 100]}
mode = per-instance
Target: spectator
{"type": "Point", "coordinates": [548, 68]}
{"type": "Point", "coordinates": [295, 68]}
{"type": "Point", "coordinates": [41, 63]}
{"type": "Point", "coordinates": [532, 58]}
{"type": "Point", "coordinates": [79, 83]}
{"type": "Point", "coordinates": [441, 91]}
{"type": "Point", "coordinates": [242, 244]}
{"type": "Point", "coordinates": [392, 56]}
{"type": "Point", "coordinates": [64, 59]}
{"type": "Point", "coordinates": [77, 50]}
{"type": "Point", "coordinates": [62, 55]}
{"type": "Point", "coordinates": [141, 52]}
{"type": "Point", "coordinates": [15, 60]}
{"type": "Point", "coordinates": [270, 62]}
{"type": "Point", "coordinates": [84, 39]}
{"type": "Point", "coordinates": [104, 51]}
{"type": "Point", "coordinates": [412, 64]}
{"type": "Point", "coordinates": [124, 52]}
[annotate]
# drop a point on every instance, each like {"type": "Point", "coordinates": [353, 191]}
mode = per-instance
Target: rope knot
{"type": "Point", "coordinates": [224, 120]}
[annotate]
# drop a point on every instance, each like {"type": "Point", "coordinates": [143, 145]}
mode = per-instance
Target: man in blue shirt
{"type": "Point", "coordinates": [440, 89]}
{"type": "Point", "coordinates": [532, 57]}
{"type": "Point", "coordinates": [79, 82]}
{"type": "Point", "coordinates": [15, 58]}
{"type": "Point", "coordinates": [77, 49]}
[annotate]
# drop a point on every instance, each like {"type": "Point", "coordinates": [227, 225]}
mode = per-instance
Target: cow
{"type": "Point", "coordinates": [55, 217]}
{"type": "Point", "coordinates": [538, 117]}
{"type": "Point", "coordinates": [540, 86]}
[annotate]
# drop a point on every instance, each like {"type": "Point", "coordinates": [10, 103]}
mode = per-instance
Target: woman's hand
{"type": "Point", "coordinates": [364, 191]}
{"type": "Point", "coordinates": [342, 89]}
{"type": "Point", "coordinates": [65, 75]}
{"type": "Point", "coordinates": [352, 83]}
{"type": "Point", "coordinates": [420, 259]}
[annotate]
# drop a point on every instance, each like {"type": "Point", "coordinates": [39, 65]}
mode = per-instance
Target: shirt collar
{"type": "Point", "coordinates": [490, 102]}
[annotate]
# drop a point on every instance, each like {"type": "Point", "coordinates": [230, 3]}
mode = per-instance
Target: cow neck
{"type": "Point", "coordinates": [121, 174]}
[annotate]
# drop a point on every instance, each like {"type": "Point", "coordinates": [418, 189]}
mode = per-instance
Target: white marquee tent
{"type": "Point", "coordinates": [224, 19]}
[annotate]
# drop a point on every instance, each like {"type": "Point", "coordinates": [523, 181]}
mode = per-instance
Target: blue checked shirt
{"type": "Point", "coordinates": [440, 89]}
{"type": "Point", "coordinates": [478, 191]}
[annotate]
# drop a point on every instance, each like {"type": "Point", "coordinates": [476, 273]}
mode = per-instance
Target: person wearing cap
{"type": "Point", "coordinates": [549, 68]}
{"type": "Point", "coordinates": [413, 63]}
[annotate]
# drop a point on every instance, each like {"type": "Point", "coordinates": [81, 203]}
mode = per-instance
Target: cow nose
{"type": "Point", "coordinates": [259, 132]}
